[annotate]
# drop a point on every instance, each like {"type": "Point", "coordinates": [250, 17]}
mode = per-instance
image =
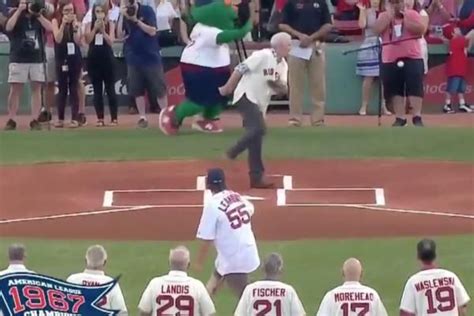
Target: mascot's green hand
{"type": "Point", "coordinates": [228, 36]}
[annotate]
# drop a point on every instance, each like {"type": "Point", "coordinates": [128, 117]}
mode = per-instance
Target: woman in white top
{"type": "Point", "coordinates": [165, 14]}
{"type": "Point", "coordinates": [368, 61]}
{"type": "Point", "coordinates": [417, 5]}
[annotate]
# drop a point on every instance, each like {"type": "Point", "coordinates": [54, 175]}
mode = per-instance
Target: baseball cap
{"type": "Point", "coordinates": [426, 249]}
{"type": "Point", "coordinates": [216, 177]}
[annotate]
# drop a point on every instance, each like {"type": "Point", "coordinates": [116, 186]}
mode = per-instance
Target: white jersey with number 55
{"type": "Point", "coordinates": [434, 292]}
{"type": "Point", "coordinates": [226, 219]}
{"type": "Point", "coordinates": [269, 298]}
{"type": "Point", "coordinates": [352, 299]}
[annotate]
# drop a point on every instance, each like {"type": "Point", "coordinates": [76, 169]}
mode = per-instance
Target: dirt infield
{"type": "Point", "coordinates": [162, 200]}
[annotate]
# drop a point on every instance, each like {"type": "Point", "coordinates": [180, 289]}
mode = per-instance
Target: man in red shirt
{"type": "Point", "coordinates": [457, 66]}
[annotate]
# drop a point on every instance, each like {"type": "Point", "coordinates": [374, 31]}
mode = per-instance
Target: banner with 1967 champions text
{"type": "Point", "coordinates": [29, 294]}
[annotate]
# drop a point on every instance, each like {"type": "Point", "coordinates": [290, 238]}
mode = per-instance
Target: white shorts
{"type": "Point", "coordinates": [246, 260]}
{"type": "Point", "coordinates": [23, 73]}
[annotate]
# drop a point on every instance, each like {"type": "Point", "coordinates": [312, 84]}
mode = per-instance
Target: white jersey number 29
{"type": "Point", "coordinates": [238, 216]}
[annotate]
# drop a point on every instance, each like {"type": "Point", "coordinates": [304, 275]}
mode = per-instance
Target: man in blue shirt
{"type": "Point", "coordinates": [137, 26]}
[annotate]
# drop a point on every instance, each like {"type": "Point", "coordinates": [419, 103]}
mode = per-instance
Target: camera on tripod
{"type": "Point", "coordinates": [130, 8]}
{"type": "Point", "coordinates": [36, 6]}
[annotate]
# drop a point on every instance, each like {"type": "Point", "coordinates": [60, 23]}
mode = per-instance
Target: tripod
{"type": "Point", "coordinates": [379, 46]}
{"type": "Point", "coordinates": [240, 45]}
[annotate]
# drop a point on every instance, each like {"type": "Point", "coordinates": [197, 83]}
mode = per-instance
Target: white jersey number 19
{"type": "Point", "coordinates": [440, 300]}
{"type": "Point", "coordinates": [238, 216]}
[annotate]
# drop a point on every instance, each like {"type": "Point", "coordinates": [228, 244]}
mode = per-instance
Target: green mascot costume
{"type": "Point", "coordinates": [205, 64]}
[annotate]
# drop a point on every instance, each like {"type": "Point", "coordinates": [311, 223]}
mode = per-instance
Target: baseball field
{"type": "Point", "coordinates": [350, 189]}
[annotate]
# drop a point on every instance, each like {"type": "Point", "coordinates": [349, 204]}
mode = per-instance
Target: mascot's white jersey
{"type": "Point", "coordinates": [203, 49]}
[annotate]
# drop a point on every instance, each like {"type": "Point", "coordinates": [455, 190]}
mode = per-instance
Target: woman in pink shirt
{"type": "Point", "coordinates": [402, 62]}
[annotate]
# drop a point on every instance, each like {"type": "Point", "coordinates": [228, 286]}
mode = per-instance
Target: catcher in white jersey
{"type": "Point", "coordinates": [270, 297]}
{"type": "Point", "coordinates": [176, 293]}
{"type": "Point", "coordinates": [352, 298]}
{"type": "Point", "coordinates": [93, 275]}
{"type": "Point", "coordinates": [226, 223]}
{"type": "Point", "coordinates": [433, 291]}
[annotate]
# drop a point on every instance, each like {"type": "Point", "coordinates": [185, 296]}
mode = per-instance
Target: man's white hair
{"type": "Point", "coordinates": [179, 258]}
{"type": "Point", "coordinates": [96, 257]}
{"type": "Point", "coordinates": [280, 38]}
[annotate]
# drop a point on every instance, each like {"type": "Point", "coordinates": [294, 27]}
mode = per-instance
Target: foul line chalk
{"type": "Point", "coordinates": [201, 183]}
{"type": "Point", "coordinates": [386, 209]}
{"type": "Point", "coordinates": [379, 196]}
{"type": "Point", "coordinates": [79, 214]}
{"type": "Point", "coordinates": [108, 199]}
{"type": "Point", "coordinates": [288, 182]}
{"type": "Point", "coordinates": [281, 197]}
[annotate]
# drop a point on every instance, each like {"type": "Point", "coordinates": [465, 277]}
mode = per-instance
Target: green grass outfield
{"type": "Point", "coordinates": [312, 266]}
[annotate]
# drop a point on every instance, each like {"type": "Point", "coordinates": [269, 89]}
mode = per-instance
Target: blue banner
{"type": "Point", "coordinates": [29, 294]}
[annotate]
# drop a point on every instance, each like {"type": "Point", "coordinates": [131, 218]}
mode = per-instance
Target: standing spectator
{"type": "Point", "coordinates": [361, 297]}
{"type": "Point", "coordinates": [256, 297]}
{"type": "Point", "coordinates": [457, 66]}
{"type": "Point", "coordinates": [420, 295]}
{"type": "Point", "coordinates": [50, 71]}
{"type": "Point", "coordinates": [94, 275]}
{"type": "Point", "coordinates": [440, 12]}
{"type": "Point", "coordinates": [417, 5]}
{"type": "Point", "coordinates": [308, 22]}
{"type": "Point", "coordinates": [25, 29]}
{"type": "Point", "coordinates": [402, 62]}
{"type": "Point", "coordinates": [159, 298]}
{"type": "Point", "coordinates": [67, 35]}
{"type": "Point", "coordinates": [100, 61]}
{"type": "Point", "coordinates": [466, 16]}
{"type": "Point", "coordinates": [165, 16]}
{"type": "Point", "coordinates": [368, 60]}
{"type": "Point", "coordinates": [137, 27]}
{"type": "Point", "coordinates": [16, 259]}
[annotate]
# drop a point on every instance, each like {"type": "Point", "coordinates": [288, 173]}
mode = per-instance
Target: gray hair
{"type": "Point", "coordinates": [273, 264]}
{"type": "Point", "coordinates": [16, 252]}
{"type": "Point", "coordinates": [280, 38]}
{"type": "Point", "coordinates": [179, 258]}
{"type": "Point", "coordinates": [96, 256]}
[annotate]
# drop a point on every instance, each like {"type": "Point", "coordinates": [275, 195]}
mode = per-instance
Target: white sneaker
{"type": "Point", "coordinates": [465, 108]}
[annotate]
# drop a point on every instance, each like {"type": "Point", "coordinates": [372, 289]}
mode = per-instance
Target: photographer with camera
{"type": "Point", "coordinates": [67, 37]}
{"type": "Point", "coordinates": [137, 26]}
{"type": "Point", "coordinates": [25, 29]}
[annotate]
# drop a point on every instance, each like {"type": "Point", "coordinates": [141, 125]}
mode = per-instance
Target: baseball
{"type": "Point", "coordinates": [400, 64]}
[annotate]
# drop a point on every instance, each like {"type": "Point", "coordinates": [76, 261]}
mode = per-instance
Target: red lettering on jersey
{"type": "Point", "coordinates": [175, 289]}
{"type": "Point", "coordinates": [353, 297]}
{"type": "Point", "coordinates": [269, 292]}
{"type": "Point", "coordinates": [434, 283]}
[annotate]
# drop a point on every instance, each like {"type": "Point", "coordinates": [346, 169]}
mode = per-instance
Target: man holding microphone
{"type": "Point", "coordinates": [255, 80]}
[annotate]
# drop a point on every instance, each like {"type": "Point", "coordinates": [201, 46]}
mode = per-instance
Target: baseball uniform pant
{"type": "Point", "coordinates": [252, 140]}
{"type": "Point", "coordinates": [236, 281]}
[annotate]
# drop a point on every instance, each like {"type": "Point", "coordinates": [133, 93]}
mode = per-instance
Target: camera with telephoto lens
{"type": "Point", "coordinates": [130, 9]}
{"type": "Point", "coordinates": [36, 6]}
